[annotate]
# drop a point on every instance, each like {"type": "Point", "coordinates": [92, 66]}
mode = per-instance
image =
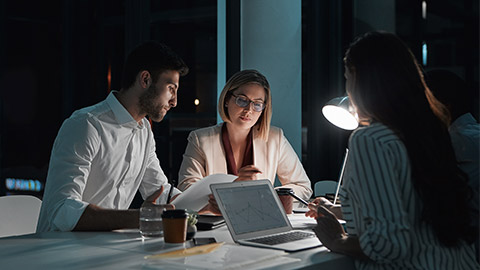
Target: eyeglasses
{"type": "Point", "coordinates": [243, 102]}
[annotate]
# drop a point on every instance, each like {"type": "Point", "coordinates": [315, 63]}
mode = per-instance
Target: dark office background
{"type": "Point", "coordinates": [58, 56]}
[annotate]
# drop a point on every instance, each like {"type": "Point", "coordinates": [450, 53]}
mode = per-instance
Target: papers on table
{"type": "Point", "coordinates": [300, 221]}
{"type": "Point", "coordinates": [196, 196]}
{"type": "Point", "coordinates": [225, 257]}
{"type": "Point", "coordinates": [299, 207]}
{"type": "Point", "coordinates": [181, 253]}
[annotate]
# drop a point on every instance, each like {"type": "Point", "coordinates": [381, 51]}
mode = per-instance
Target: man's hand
{"type": "Point", "coordinates": [248, 172]}
{"type": "Point", "coordinates": [313, 206]}
{"type": "Point", "coordinates": [152, 198]}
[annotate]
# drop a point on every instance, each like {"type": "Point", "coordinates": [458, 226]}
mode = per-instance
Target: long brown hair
{"type": "Point", "coordinates": [388, 87]}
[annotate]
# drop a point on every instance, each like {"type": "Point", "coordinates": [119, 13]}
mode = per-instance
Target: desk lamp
{"type": "Point", "coordinates": [340, 112]}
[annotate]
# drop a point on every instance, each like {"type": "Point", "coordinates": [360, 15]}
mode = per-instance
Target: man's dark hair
{"type": "Point", "coordinates": [153, 57]}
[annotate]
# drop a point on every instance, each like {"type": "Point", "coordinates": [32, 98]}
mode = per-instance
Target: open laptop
{"type": "Point", "coordinates": [255, 216]}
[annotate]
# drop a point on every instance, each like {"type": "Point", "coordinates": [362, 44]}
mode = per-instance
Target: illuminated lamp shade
{"type": "Point", "coordinates": [341, 113]}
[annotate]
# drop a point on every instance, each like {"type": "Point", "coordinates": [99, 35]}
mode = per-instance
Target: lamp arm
{"type": "Point", "coordinates": [341, 176]}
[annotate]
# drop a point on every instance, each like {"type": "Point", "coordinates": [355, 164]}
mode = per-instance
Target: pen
{"type": "Point", "coordinates": [169, 194]}
{"type": "Point", "coordinates": [298, 198]}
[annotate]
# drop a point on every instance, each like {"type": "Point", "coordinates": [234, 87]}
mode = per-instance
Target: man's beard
{"type": "Point", "coordinates": [147, 105]}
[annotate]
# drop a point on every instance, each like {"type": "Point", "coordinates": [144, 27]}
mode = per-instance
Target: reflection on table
{"type": "Point", "coordinates": [125, 249]}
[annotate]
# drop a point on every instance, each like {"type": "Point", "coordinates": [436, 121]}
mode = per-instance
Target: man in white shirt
{"type": "Point", "coordinates": [104, 153]}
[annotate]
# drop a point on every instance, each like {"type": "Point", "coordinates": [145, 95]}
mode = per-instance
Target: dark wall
{"type": "Point", "coordinates": [58, 56]}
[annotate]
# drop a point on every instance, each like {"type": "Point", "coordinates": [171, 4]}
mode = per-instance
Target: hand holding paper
{"type": "Point", "coordinates": [196, 196]}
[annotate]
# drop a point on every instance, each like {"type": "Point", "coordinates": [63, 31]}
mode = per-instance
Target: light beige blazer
{"type": "Point", "coordinates": [205, 155]}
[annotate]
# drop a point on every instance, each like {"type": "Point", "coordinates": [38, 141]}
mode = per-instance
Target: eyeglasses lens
{"type": "Point", "coordinates": [243, 102]}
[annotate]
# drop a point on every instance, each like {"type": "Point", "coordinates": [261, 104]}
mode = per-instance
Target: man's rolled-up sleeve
{"type": "Point", "coordinates": [73, 151]}
{"type": "Point", "coordinates": [68, 215]}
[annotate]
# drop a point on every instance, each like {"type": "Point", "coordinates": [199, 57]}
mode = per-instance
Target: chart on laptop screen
{"type": "Point", "coordinates": [251, 208]}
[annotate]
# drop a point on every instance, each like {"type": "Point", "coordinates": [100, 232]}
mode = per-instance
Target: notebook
{"type": "Point", "coordinates": [255, 216]}
{"type": "Point", "coordinates": [209, 222]}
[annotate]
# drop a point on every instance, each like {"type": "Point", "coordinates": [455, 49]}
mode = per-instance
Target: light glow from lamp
{"type": "Point", "coordinates": [340, 113]}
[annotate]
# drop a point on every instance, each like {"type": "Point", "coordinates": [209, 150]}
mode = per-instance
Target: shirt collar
{"type": "Point", "coordinates": [123, 117]}
{"type": "Point", "coordinates": [464, 119]}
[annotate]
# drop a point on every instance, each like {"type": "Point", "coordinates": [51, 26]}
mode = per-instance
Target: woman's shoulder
{"type": "Point", "coordinates": [376, 132]}
{"type": "Point", "coordinates": [205, 131]}
{"type": "Point", "coordinates": [275, 130]}
{"type": "Point", "coordinates": [275, 134]}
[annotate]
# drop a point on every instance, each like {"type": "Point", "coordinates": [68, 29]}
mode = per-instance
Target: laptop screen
{"type": "Point", "coordinates": [251, 208]}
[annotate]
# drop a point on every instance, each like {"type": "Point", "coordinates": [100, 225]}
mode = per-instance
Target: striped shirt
{"type": "Point", "coordinates": [383, 210]}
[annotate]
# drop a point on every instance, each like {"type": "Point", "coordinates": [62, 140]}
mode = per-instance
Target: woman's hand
{"type": "Point", "coordinates": [211, 207]}
{"type": "Point", "coordinates": [248, 172]}
{"type": "Point", "coordinates": [328, 230]}
{"type": "Point", "coordinates": [334, 208]}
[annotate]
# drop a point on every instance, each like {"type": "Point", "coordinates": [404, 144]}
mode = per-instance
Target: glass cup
{"type": "Point", "coordinates": [151, 220]}
{"type": "Point", "coordinates": [175, 225]}
{"type": "Point", "coordinates": [286, 199]}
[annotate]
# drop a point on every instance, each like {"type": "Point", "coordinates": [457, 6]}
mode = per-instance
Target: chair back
{"type": "Point", "coordinates": [19, 214]}
{"type": "Point", "coordinates": [324, 187]}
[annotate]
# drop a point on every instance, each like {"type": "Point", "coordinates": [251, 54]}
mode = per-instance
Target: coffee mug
{"type": "Point", "coordinates": [174, 225]}
{"type": "Point", "coordinates": [286, 199]}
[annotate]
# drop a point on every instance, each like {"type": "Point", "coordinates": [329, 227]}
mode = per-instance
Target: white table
{"type": "Point", "coordinates": [124, 250]}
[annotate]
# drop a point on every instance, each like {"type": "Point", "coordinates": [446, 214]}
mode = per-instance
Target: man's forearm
{"type": "Point", "coordinates": [95, 218]}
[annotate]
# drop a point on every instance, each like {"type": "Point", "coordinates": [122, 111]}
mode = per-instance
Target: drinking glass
{"type": "Point", "coordinates": [151, 224]}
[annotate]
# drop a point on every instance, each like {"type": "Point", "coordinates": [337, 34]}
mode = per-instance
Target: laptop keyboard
{"type": "Point", "coordinates": [282, 238]}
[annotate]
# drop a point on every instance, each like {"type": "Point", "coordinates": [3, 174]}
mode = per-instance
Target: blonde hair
{"type": "Point", "coordinates": [242, 78]}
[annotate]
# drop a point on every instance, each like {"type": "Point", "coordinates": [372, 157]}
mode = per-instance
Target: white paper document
{"type": "Point", "coordinates": [196, 196]}
{"type": "Point", "coordinates": [300, 221]}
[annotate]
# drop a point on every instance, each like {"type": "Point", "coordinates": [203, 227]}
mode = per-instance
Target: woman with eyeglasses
{"type": "Point", "coordinates": [244, 144]}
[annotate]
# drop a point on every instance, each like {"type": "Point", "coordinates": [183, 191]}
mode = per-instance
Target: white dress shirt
{"type": "Point", "coordinates": [101, 156]}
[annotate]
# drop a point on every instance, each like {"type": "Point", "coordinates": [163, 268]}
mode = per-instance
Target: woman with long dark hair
{"type": "Point", "coordinates": [404, 198]}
